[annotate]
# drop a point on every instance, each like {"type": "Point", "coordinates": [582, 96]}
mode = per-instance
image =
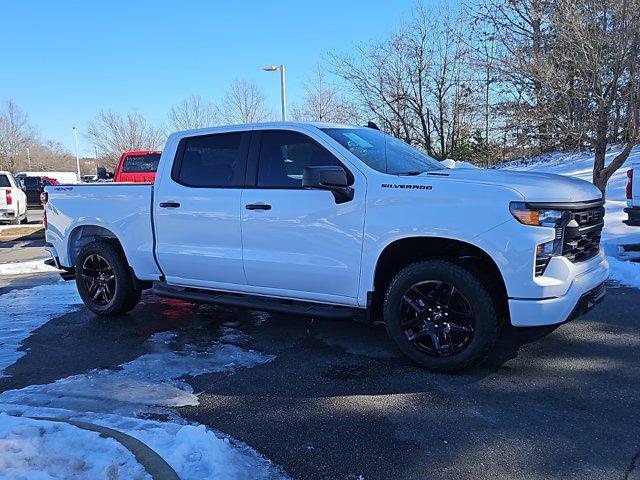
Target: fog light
{"type": "Point", "coordinates": [544, 253]}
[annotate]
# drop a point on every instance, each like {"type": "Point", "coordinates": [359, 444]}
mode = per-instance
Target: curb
{"type": "Point", "coordinates": [153, 463]}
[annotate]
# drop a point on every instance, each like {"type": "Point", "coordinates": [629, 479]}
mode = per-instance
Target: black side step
{"type": "Point", "coordinates": [254, 302]}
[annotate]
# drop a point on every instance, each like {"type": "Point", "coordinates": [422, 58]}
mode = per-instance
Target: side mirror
{"type": "Point", "coordinates": [332, 178]}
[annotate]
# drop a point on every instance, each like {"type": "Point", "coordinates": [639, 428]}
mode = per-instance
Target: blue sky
{"type": "Point", "coordinates": [62, 61]}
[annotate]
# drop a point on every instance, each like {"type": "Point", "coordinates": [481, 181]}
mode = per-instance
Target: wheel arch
{"type": "Point", "coordinates": [82, 235]}
{"type": "Point", "coordinates": [405, 251]}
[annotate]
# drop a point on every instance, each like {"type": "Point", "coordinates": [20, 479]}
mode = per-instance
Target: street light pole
{"type": "Point", "coordinates": [29, 157]}
{"type": "Point", "coordinates": [283, 87]}
{"type": "Point", "coordinates": [283, 93]}
{"type": "Point", "coordinates": [75, 138]}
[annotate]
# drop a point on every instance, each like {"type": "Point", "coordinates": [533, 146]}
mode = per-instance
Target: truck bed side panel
{"type": "Point", "coordinates": [122, 209]}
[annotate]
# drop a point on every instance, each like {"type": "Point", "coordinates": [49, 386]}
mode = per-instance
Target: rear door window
{"type": "Point", "coordinates": [4, 181]}
{"type": "Point", "coordinates": [141, 163]}
{"type": "Point", "coordinates": [212, 160]}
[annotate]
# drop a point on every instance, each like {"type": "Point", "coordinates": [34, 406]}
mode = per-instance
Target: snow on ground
{"type": "Point", "coordinates": [125, 399]}
{"type": "Point", "coordinates": [24, 310]}
{"type": "Point", "coordinates": [39, 450]}
{"type": "Point", "coordinates": [31, 266]}
{"type": "Point", "coordinates": [580, 165]}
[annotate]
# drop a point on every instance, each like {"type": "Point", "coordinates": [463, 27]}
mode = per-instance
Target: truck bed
{"type": "Point", "coordinates": [124, 209]}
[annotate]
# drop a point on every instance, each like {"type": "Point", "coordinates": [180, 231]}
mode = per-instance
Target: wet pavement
{"type": "Point", "coordinates": [338, 401]}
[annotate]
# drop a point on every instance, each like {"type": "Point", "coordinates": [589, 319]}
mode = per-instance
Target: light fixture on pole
{"type": "Point", "coordinates": [283, 87]}
{"type": "Point", "coordinates": [75, 138]}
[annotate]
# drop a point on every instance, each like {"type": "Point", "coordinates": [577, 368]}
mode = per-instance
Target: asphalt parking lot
{"type": "Point", "coordinates": [338, 401]}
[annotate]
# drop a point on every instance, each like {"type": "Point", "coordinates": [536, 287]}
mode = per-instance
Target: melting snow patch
{"type": "Point", "coordinates": [151, 380]}
{"type": "Point", "coordinates": [25, 310]}
{"type": "Point", "coordinates": [20, 268]}
{"type": "Point", "coordinates": [41, 450]}
{"type": "Point", "coordinates": [124, 399]}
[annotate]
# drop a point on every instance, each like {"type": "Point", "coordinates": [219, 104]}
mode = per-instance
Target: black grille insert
{"type": "Point", "coordinates": [582, 232]}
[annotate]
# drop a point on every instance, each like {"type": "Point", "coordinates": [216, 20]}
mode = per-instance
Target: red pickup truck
{"type": "Point", "coordinates": [137, 166]}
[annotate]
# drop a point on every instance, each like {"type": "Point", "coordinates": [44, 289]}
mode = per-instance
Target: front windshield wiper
{"type": "Point", "coordinates": [409, 174]}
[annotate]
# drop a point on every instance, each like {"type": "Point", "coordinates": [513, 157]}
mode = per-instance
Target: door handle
{"type": "Point", "coordinates": [258, 206]}
{"type": "Point", "coordinates": [169, 204]}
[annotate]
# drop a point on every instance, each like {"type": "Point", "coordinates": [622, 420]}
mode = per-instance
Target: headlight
{"type": "Point", "coordinates": [535, 216]}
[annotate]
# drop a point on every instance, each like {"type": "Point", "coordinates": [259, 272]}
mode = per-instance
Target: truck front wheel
{"type": "Point", "coordinates": [441, 316]}
{"type": "Point", "coordinates": [104, 281]}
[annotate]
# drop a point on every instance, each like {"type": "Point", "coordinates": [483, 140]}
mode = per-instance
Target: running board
{"type": "Point", "coordinates": [254, 302]}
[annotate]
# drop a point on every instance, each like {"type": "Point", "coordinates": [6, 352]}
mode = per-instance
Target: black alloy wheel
{"type": "Point", "coordinates": [437, 318]}
{"type": "Point", "coordinates": [441, 315]}
{"type": "Point", "coordinates": [105, 281]}
{"type": "Point", "coordinates": [99, 279]}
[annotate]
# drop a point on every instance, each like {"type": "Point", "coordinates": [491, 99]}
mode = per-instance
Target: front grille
{"type": "Point", "coordinates": [581, 234]}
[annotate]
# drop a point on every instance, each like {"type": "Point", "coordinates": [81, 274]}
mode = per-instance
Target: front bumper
{"type": "Point", "coordinates": [633, 214]}
{"type": "Point", "coordinates": [584, 292]}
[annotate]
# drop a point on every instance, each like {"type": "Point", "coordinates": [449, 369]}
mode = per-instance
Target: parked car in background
{"type": "Point", "coordinates": [633, 196]}
{"type": "Point", "coordinates": [13, 201]}
{"type": "Point", "coordinates": [32, 187]}
{"type": "Point", "coordinates": [60, 177]}
{"type": "Point", "coordinates": [339, 221]}
{"type": "Point", "coordinates": [137, 166]}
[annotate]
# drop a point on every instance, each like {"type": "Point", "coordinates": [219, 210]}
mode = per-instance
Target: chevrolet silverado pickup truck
{"type": "Point", "coordinates": [333, 220]}
{"type": "Point", "coordinates": [633, 196]}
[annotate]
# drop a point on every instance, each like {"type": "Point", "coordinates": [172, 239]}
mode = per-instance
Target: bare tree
{"type": "Point", "coordinates": [573, 68]}
{"type": "Point", "coordinates": [244, 102]}
{"type": "Point", "coordinates": [414, 83]}
{"type": "Point", "coordinates": [322, 102]}
{"type": "Point", "coordinates": [16, 135]}
{"type": "Point", "coordinates": [113, 134]}
{"type": "Point", "coordinates": [191, 113]}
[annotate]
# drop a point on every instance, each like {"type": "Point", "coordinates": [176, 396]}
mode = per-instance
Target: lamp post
{"type": "Point", "coordinates": [75, 138]}
{"type": "Point", "coordinates": [283, 87]}
{"type": "Point", "coordinates": [29, 157]}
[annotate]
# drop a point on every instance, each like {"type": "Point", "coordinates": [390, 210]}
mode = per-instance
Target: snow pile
{"type": "Point", "coordinates": [124, 399]}
{"type": "Point", "coordinates": [580, 165]}
{"type": "Point", "coordinates": [450, 163]}
{"type": "Point", "coordinates": [20, 268]}
{"type": "Point", "coordinates": [41, 450]}
{"type": "Point", "coordinates": [25, 310]}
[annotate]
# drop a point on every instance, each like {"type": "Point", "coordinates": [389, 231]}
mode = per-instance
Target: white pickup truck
{"type": "Point", "coordinates": [13, 201]}
{"type": "Point", "coordinates": [633, 196]}
{"type": "Point", "coordinates": [333, 220]}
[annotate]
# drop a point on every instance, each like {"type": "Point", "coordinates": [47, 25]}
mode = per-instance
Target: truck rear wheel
{"type": "Point", "coordinates": [440, 316]}
{"type": "Point", "coordinates": [104, 281]}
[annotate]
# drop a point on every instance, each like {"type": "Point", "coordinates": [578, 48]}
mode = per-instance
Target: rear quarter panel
{"type": "Point", "coordinates": [123, 209]}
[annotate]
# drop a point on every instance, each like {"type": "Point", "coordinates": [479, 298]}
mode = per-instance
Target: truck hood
{"type": "Point", "coordinates": [534, 187]}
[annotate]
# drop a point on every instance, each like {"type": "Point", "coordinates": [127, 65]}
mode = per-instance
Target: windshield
{"type": "Point", "coordinates": [141, 163]}
{"type": "Point", "coordinates": [383, 152]}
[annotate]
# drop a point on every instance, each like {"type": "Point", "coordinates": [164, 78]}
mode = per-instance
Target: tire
{"type": "Point", "coordinates": [104, 280]}
{"type": "Point", "coordinates": [416, 309]}
{"type": "Point", "coordinates": [25, 219]}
